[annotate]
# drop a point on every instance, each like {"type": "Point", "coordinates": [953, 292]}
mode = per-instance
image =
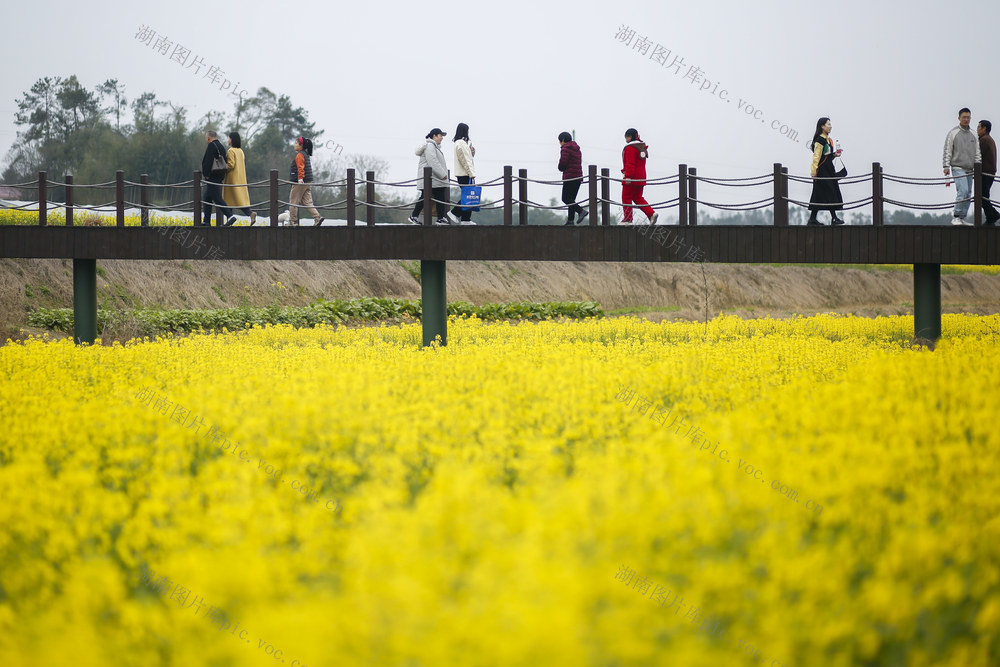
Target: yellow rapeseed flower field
{"type": "Point", "coordinates": [801, 493]}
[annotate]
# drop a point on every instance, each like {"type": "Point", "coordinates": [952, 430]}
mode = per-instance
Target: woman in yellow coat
{"type": "Point", "coordinates": [237, 197]}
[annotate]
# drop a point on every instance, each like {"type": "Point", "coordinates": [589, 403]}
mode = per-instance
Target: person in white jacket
{"type": "Point", "coordinates": [465, 167]}
{"type": "Point", "coordinates": [432, 156]}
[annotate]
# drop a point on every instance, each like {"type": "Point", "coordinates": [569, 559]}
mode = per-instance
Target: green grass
{"type": "Point", "coordinates": [152, 322]}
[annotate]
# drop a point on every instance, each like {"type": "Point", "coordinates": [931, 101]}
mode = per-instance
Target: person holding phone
{"type": "Point", "coordinates": [826, 190]}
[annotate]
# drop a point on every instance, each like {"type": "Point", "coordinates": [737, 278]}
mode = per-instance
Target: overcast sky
{"type": "Point", "coordinates": [376, 76]}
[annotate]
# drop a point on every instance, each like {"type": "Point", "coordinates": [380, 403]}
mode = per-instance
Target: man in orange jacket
{"type": "Point", "coordinates": [634, 169]}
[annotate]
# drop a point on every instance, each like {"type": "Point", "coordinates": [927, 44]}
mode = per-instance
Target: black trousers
{"type": "Point", "coordinates": [441, 195]}
{"type": "Point", "coordinates": [569, 191]}
{"type": "Point", "coordinates": [989, 210]}
{"type": "Point", "coordinates": [213, 195]}
{"type": "Point", "coordinates": [465, 214]}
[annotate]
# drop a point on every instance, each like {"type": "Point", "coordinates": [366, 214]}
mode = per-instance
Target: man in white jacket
{"type": "Point", "coordinates": [432, 156]}
{"type": "Point", "coordinates": [961, 152]}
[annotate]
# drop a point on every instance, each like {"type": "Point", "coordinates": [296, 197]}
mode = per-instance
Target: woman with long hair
{"type": "Point", "coordinates": [465, 167]}
{"type": "Point", "coordinates": [301, 176]}
{"type": "Point", "coordinates": [826, 190]}
{"type": "Point", "coordinates": [236, 194]}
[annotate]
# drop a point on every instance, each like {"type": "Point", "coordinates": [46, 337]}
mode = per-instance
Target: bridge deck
{"type": "Point", "coordinates": [759, 244]}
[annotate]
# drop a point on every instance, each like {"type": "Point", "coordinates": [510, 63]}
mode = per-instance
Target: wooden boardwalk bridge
{"type": "Point", "coordinates": [925, 247]}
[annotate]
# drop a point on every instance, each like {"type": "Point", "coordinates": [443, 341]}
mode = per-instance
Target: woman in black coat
{"type": "Point", "coordinates": [826, 190]}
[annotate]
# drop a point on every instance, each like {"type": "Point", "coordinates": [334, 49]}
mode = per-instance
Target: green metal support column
{"type": "Point", "coordinates": [927, 301]}
{"type": "Point", "coordinates": [84, 300]}
{"type": "Point", "coordinates": [434, 307]}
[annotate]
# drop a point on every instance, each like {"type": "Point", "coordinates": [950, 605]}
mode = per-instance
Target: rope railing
{"type": "Point", "coordinates": [594, 194]}
{"type": "Point", "coordinates": [748, 206]}
{"type": "Point", "coordinates": [723, 182]}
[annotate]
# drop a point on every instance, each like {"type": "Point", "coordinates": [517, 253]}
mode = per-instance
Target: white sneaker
{"type": "Point", "coordinates": [652, 221]}
{"type": "Point", "coordinates": [957, 221]}
{"type": "Point", "coordinates": [413, 219]}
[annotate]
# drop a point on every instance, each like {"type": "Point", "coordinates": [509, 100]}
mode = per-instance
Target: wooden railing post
{"type": "Point", "coordinates": [370, 198]}
{"type": "Point", "coordinates": [428, 198]}
{"type": "Point", "coordinates": [780, 201]}
{"type": "Point", "coordinates": [682, 195]}
{"type": "Point", "coordinates": [273, 197]}
{"type": "Point", "coordinates": [606, 197]}
{"type": "Point", "coordinates": [784, 189]}
{"type": "Point", "coordinates": [69, 200]}
{"type": "Point", "coordinates": [692, 196]}
{"type": "Point", "coordinates": [196, 197]}
{"type": "Point", "coordinates": [522, 196]}
{"type": "Point", "coordinates": [120, 198]}
{"type": "Point", "coordinates": [43, 195]}
{"type": "Point", "coordinates": [508, 195]}
{"type": "Point", "coordinates": [351, 198]}
{"type": "Point", "coordinates": [592, 172]}
{"type": "Point", "coordinates": [144, 199]}
{"type": "Point", "coordinates": [977, 193]}
{"type": "Point", "coordinates": [878, 201]}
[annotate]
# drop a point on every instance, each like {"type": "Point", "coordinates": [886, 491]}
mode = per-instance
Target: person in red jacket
{"type": "Point", "coordinates": [634, 168]}
{"type": "Point", "coordinates": [571, 166]}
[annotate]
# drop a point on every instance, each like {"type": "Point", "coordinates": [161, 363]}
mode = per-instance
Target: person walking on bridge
{"type": "Point", "coordinates": [571, 166]}
{"type": "Point", "coordinates": [301, 176]}
{"type": "Point", "coordinates": [465, 167]}
{"type": "Point", "coordinates": [826, 190]}
{"type": "Point", "coordinates": [634, 169]}
{"type": "Point", "coordinates": [236, 195]}
{"type": "Point", "coordinates": [988, 149]}
{"type": "Point", "coordinates": [212, 195]}
{"type": "Point", "coordinates": [432, 156]}
{"type": "Point", "coordinates": [961, 153]}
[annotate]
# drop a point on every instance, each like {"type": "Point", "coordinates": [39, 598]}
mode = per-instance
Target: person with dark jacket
{"type": "Point", "coordinates": [571, 166]}
{"type": "Point", "coordinates": [301, 176]}
{"type": "Point", "coordinates": [212, 195]}
{"type": "Point", "coordinates": [634, 169]}
{"type": "Point", "coordinates": [988, 148]}
{"type": "Point", "coordinates": [826, 190]}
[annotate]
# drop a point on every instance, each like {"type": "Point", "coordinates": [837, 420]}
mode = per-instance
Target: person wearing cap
{"type": "Point", "coordinates": [432, 156]}
{"type": "Point", "coordinates": [634, 169]}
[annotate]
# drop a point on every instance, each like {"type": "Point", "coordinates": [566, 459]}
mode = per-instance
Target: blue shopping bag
{"type": "Point", "coordinates": [471, 195]}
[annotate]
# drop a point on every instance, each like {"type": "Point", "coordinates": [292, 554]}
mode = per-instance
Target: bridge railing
{"type": "Point", "coordinates": [686, 192]}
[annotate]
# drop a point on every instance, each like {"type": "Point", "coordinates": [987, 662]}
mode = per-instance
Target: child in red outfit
{"type": "Point", "coordinates": [634, 168]}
